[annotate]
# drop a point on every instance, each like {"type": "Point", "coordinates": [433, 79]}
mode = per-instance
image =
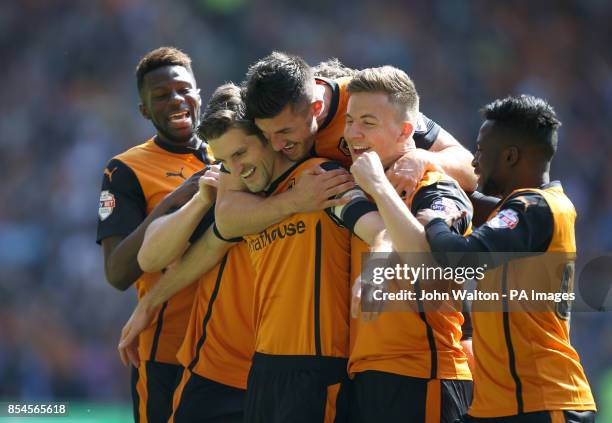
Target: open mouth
{"type": "Point", "coordinates": [180, 119]}
{"type": "Point", "coordinates": [289, 146]}
{"type": "Point", "coordinates": [357, 149]}
{"type": "Point", "coordinates": [247, 173]}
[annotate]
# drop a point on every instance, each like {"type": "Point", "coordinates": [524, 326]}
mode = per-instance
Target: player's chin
{"type": "Point", "coordinates": [295, 154]}
{"type": "Point", "coordinates": [254, 186]}
{"type": "Point", "coordinates": [181, 135]}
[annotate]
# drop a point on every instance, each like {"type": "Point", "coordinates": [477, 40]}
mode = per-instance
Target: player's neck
{"type": "Point", "coordinates": [193, 142]}
{"type": "Point", "coordinates": [524, 180]}
{"type": "Point", "coordinates": [281, 165]}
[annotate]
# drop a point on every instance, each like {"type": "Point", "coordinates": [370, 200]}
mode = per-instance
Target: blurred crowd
{"type": "Point", "coordinates": [70, 104]}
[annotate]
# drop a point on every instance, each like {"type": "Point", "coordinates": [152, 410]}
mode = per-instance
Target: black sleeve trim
{"type": "Point", "coordinates": [221, 237]}
{"type": "Point", "coordinates": [426, 133]}
{"type": "Point", "coordinates": [354, 210]}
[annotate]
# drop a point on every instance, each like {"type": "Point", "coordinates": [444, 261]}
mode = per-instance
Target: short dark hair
{"type": "Point", "coordinates": [160, 57]}
{"type": "Point", "coordinates": [333, 69]}
{"type": "Point", "coordinates": [276, 81]}
{"type": "Point", "coordinates": [528, 119]}
{"type": "Point", "coordinates": [226, 110]}
{"type": "Point", "coordinates": [389, 80]}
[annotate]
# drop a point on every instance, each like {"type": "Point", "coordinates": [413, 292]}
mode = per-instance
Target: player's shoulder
{"type": "Point", "coordinates": [435, 181]}
{"type": "Point", "coordinates": [121, 169]}
{"type": "Point", "coordinates": [136, 153]}
{"type": "Point", "coordinates": [526, 205]}
{"type": "Point", "coordinates": [322, 162]}
{"type": "Point", "coordinates": [526, 201]}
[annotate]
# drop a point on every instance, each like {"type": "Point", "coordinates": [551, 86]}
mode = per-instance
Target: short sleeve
{"type": "Point", "coordinates": [445, 196]}
{"type": "Point", "coordinates": [122, 202]}
{"type": "Point", "coordinates": [524, 223]}
{"type": "Point", "coordinates": [426, 132]}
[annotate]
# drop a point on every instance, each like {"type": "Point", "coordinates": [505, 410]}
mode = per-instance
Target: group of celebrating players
{"type": "Point", "coordinates": [243, 227]}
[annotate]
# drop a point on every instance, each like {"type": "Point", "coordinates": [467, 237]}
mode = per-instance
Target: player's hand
{"type": "Point", "coordinates": [316, 188]}
{"type": "Point", "coordinates": [208, 184]}
{"type": "Point", "coordinates": [368, 171]}
{"type": "Point", "coordinates": [128, 343]}
{"type": "Point", "coordinates": [427, 215]}
{"type": "Point", "coordinates": [408, 170]}
{"type": "Point", "coordinates": [186, 190]}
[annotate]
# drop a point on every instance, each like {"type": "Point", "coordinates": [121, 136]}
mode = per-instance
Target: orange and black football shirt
{"type": "Point", "coordinates": [219, 342]}
{"type": "Point", "coordinates": [134, 183]}
{"type": "Point", "coordinates": [524, 361]}
{"type": "Point", "coordinates": [329, 140]}
{"type": "Point", "coordinates": [415, 344]}
{"type": "Point", "coordinates": [301, 304]}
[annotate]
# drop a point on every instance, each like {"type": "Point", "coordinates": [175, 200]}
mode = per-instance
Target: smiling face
{"type": "Point", "coordinates": [247, 156]}
{"type": "Point", "coordinates": [292, 131]}
{"type": "Point", "coordinates": [171, 101]}
{"type": "Point", "coordinates": [373, 123]}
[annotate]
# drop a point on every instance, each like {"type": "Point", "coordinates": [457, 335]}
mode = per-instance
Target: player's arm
{"type": "Point", "coordinates": [123, 220]}
{"type": "Point", "coordinates": [406, 233]}
{"type": "Point", "coordinates": [483, 206]}
{"type": "Point", "coordinates": [168, 236]}
{"type": "Point", "coordinates": [524, 224]}
{"type": "Point", "coordinates": [201, 257]}
{"type": "Point", "coordinates": [454, 159]}
{"type": "Point", "coordinates": [436, 148]}
{"type": "Point", "coordinates": [240, 213]}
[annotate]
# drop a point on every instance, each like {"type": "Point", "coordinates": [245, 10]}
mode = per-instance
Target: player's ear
{"type": "Point", "coordinates": [511, 155]}
{"type": "Point", "coordinates": [407, 129]}
{"type": "Point", "coordinates": [317, 108]}
{"type": "Point", "coordinates": [144, 111]}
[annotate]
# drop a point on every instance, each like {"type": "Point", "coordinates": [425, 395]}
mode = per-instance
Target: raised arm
{"type": "Point", "coordinates": [454, 159]}
{"type": "Point", "coordinates": [406, 233]}
{"type": "Point", "coordinates": [201, 257]}
{"type": "Point", "coordinates": [444, 152]}
{"type": "Point", "coordinates": [240, 213]}
{"type": "Point", "coordinates": [167, 237]}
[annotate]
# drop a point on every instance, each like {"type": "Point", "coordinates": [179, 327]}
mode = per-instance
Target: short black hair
{"type": "Point", "coordinates": [528, 119]}
{"type": "Point", "coordinates": [158, 58]}
{"type": "Point", "coordinates": [226, 110]}
{"type": "Point", "coordinates": [277, 80]}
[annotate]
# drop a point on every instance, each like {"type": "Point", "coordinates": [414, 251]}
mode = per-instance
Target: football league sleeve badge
{"type": "Point", "coordinates": [107, 204]}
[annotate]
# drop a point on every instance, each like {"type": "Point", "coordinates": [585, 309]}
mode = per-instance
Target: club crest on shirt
{"type": "Point", "coordinates": [107, 204]}
{"type": "Point", "coordinates": [505, 219]}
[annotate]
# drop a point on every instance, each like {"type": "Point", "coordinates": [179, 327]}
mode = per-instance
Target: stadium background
{"type": "Point", "coordinates": [70, 103]}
